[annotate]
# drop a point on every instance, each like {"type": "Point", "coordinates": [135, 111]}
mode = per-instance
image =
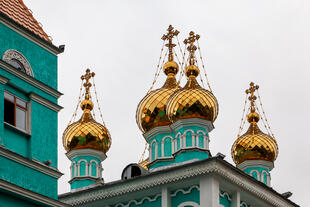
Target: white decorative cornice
{"type": "Point", "coordinates": [30, 195]}
{"type": "Point", "coordinates": [136, 202]}
{"type": "Point", "coordinates": [3, 80]}
{"type": "Point", "coordinates": [155, 131]}
{"type": "Point", "coordinates": [45, 102]}
{"type": "Point", "coordinates": [206, 167]}
{"type": "Point", "coordinates": [184, 192]}
{"type": "Point", "coordinates": [34, 164]}
{"type": "Point", "coordinates": [29, 35]}
{"type": "Point", "coordinates": [29, 79]}
{"type": "Point", "coordinates": [192, 121]}
{"type": "Point", "coordinates": [86, 152]}
{"type": "Point", "coordinates": [255, 163]}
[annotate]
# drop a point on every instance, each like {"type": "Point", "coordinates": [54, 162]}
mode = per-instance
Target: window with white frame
{"type": "Point", "coordinates": [15, 111]}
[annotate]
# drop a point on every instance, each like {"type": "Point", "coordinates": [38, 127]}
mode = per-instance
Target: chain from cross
{"type": "Point", "coordinates": [88, 75]}
{"type": "Point", "coordinates": [252, 97]}
{"type": "Point", "coordinates": [169, 36]}
{"type": "Point", "coordinates": [191, 48]}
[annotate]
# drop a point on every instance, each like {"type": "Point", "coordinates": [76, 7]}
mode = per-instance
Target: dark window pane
{"type": "Point", "coordinates": [17, 64]}
{"type": "Point", "coordinates": [9, 112]}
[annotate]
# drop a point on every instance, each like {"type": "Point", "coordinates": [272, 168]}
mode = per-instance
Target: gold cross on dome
{"type": "Point", "coordinates": [191, 48]}
{"type": "Point", "coordinates": [88, 75]}
{"type": "Point", "coordinates": [169, 36]}
{"type": "Point", "coordinates": [252, 97]}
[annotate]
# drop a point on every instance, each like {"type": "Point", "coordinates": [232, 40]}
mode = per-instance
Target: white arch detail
{"type": "Point", "coordinates": [79, 163]}
{"type": "Point", "coordinates": [163, 145]}
{"type": "Point", "coordinates": [90, 167]}
{"type": "Point", "coordinates": [156, 150]}
{"type": "Point", "coordinates": [189, 203]}
{"type": "Point", "coordinates": [14, 54]}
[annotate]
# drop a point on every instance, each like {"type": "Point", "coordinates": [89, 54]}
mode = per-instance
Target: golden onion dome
{"type": "Point", "coordinates": [254, 144]}
{"type": "Point", "coordinates": [192, 101]}
{"type": "Point", "coordinates": [151, 111]}
{"type": "Point", "coordinates": [86, 133]}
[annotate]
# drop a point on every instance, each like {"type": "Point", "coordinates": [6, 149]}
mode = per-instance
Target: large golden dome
{"type": "Point", "coordinates": [254, 144]}
{"type": "Point", "coordinates": [86, 133]}
{"type": "Point", "coordinates": [192, 101]}
{"type": "Point", "coordinates": [151, 111]}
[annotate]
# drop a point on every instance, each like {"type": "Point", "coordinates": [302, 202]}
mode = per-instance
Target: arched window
{"type": "Point", "coordinates": [154, 148]}
{"type": "Point", "coordinates": [178, 139]}
{"type": "Point", "coordinates": [168, 147]}
{"type": "Point", "coordinates": [82, 168]}
{"type": "Point", "coordinates": [254, 174]}
{"type": "Point", "coordinates": [18, 61]}
{"type": "Point", "coordinates": [188, 138]}
{"type": "Point", "coordinates": [264, 177]}
{"type": "Point", "coordinates": [201, 140]}
{"type": "Point", "coordinates": [93, 168]}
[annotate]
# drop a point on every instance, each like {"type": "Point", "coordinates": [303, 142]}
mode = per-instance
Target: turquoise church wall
{"type": "Point", "coordinates": [85, 162]}
{"type": "Point", "coordinates": [43, 63]}
{"type": "Point", "coordinates": [162, 146]}
{"type": "Point", "coordinates": [190, 194]}
{"type": "Point", "coordinates": [28, 178]}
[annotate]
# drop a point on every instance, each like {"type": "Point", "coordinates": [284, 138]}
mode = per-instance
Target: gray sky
{"type": "Point", "coordinates": [265, 41]}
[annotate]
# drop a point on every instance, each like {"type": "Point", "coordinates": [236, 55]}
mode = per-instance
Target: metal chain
{"type": "Point", "coordinates": [77, 106]}
{"type": "Point", "coordinates": [264, 115]}
{"type": "Point", "coordinates": [144, 151]}
{"type": "Point", "coordinates": [98, 106]}
{"type": "Point", "coordinates": [158, 67]}
{"type": "Point", "coordinates": [203, 66]}
{"type": "Point", "coordinates": [158, 72]}
{"type": "Point", "coordinates": [243, 116]}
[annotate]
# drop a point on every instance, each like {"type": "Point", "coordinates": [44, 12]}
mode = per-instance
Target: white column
{"type": "Point", "coordinates": [209, 192]}
{"type": "Point", "coordinates": [165, 197]}
{"type": "Point", "coordinates": [162, 148]}
{"type": "Point", "coordinates": [235, 200]}
{"type": "Point", "coordinates": [205, 142]}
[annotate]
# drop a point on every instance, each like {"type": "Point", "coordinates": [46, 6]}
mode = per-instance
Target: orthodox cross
{"type": "Point", "coordinates": [191, 48]}
{"type": "Point", "coordinates": [88, 75]}
{"type": "Point", "coordinates": [169, 36]}
{"type": "Point", "coordinates": [252, 97]}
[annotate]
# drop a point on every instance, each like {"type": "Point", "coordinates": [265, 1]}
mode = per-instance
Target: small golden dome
{"type": "Point", "coordinates": [192, 101]}
{"type": "Point", "coordinates": [151, 111]}
{"type": "Point", "coordinates": [86, 133]}
{"type": "Point", "coordinates": [254, 145]}
{"type": "Point", "coordinates": [171, 67]}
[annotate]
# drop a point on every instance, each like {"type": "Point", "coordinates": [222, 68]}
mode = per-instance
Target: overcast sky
{"type": "Point", "coordinates": [265, 41]}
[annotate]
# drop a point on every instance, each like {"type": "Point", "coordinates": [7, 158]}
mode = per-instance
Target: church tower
{"type": "Point", "coordinates": [28, 109]}
{"type": "Point", "coordinates": [176, 121]}
{"type": "Point", "coordinates": [86, 142]}
{"type": "Point", "coordinates": [254, 152]}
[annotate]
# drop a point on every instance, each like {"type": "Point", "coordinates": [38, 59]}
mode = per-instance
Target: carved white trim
{"type": "Point", "coordinates": [155, 131]}
{"type": "Point", "coordinates": [192, 121]}
{"type": "Point", "coordinates": [136, 202]}
{"type": "Point", "coordinates": [14, 54]}
{"type": "Point", "coordinates": [225, 194]}
{"type": "Point", "coordinates": [86, 152]}
{"type": "Point", "coordinates": [184, 191]}
{"type": "Point", "coordinates": [206, 168]}
{"type": "Point", "coordinates": [243, 203]}
{"type": "Point", "coordinates": [255, 163]}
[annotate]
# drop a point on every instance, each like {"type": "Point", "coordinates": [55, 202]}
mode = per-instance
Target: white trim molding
{"type": "Point", "coordinates": [11, 54]}
{"type": "Point", "coordinates": [30, 195]}
{"type": "Point", "coordinates": [86, 152]}
{"type": "Point", "coordinates": [30, 80]}
{"type": "Point", "coordinates": [3, 80]}
{"type": "Point", "coordinates": [34, 164]}
{"type": "Point", "coordinates": [39, 99]}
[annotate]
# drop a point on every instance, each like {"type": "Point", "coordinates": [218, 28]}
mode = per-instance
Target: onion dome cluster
{"type": "Point", "coordinates": [170, 103]}
{"type": "Point", "coordinates": [254, 144]}
{"type": "Point", "coordinates": [86, 133]}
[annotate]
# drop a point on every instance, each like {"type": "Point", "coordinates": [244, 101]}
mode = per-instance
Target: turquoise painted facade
{"type": "Point", "coordinates": [179, 143]}
{"type": "Point", "coordinates": [28, 155]}
{"type": "Point", "coordinates": [185, 195]}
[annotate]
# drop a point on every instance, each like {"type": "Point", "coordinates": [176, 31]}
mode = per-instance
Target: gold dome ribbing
{"type": "Point", "coordinates": [86, 133]}
{"type": "Point", "coordinates": [254, 144]}
{"type": "Point", "coordinates": [192, 101]}
{"type": "Point", "coordinates": [151, 111]}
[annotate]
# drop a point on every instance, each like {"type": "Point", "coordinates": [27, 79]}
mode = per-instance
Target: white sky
{"type": "Point", "coordinates": [265, 41]}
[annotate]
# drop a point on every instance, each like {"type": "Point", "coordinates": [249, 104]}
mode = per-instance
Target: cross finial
{"type": "Point", "coordinates": [252, 97]}
{"type": "Point", "coordinates": [169, 36]}
{"type": "Point", "coordinates": [191, 48]}
{"type": "Point", "coordinates": [88, 75]}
